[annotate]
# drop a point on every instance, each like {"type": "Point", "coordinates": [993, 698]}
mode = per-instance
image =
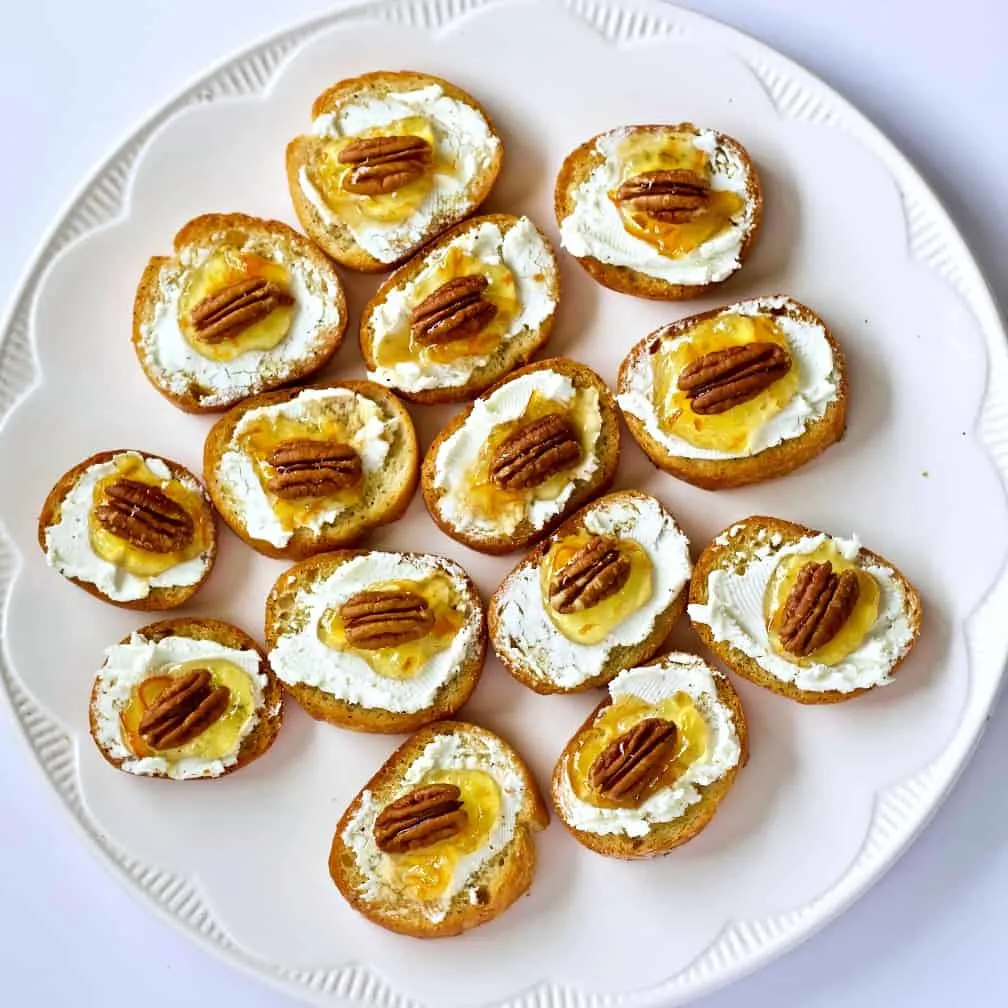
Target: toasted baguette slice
{"type": "Point", "coordinates": [198, 383]}
{"type": "Point", "coordinates": [473, 439]}
{"type": "Point", "coordinates": [678, 688]}
{"type": "Point", "coordinates": [374, 423]}
{"type": "Point", "coordinates": [523, 627]}
{"type": "Point", "coordinates": [586, 212]}
{"type": "Point", "coordinates": [732, 578]}
{"type": "Point", "coordinates": [452, 118]}
{"type": "Point", "coordinates": [65, 537]}
{"type": "Point", "coordinates": [524, 287]}
{"type": "Point", "coordinates": [357, 686]}
{"type": "Point", "coordinates": [807, 424]}
{"type": "Point", "coordinates": [501, 868]}
{"type": "Point", "coordinates": [249, 723]}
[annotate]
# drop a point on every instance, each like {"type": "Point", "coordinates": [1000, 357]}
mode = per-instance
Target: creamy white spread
{"type": "Point", "coordinates": [463, 140]}
{"type": "Point", "coordinates": [236, 470]}
{"type": "Point", "coordinates": [301, 656]}
{"type": "Point", "coordinates": [127, 665]}
{"type": "Point", "coordinates": [525, 635]}
{"type": "Point", "coordinates": [735, 614]}
{"type": "Point", "coordinates": [178, 368]}
{"type": "Point", "coordinates": [522, 249]}
{"type": "Point", "coordinates": [458, 453]}
{"type": "Point", "coordinates": [595, 227]}
{"type": "Point", "coordinates": [473, 750]}
{"type": "Point", "coordinates": [68, 542]}
{"type": "Point", "coordinates": [675, 673]}
{"type": "Point", "coordinates": [811, 354]}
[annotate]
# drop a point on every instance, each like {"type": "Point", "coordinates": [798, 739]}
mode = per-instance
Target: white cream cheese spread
{"type": "Point", "coordinates": [595, 228]}
{"type": "Point", "coordinates": [301, 656]}
{"type": "Point", "coordinates": [735, 614]}
{"type": "Point", "coordinates": [463, 140]}
{"type": "Point", "coordinates": [127, 665]}
{"type": "Point", "coordinates": [181, 370]}
{"type": "Point", "coordinates": [236, 470]}
{"type": "Point", "coordinates": [458, 453]}
{"type": "Point", "coordinates": [525, 635]}
{"type": "Point", "coordinates": [811, 354]}
{"type": "Point", "coordinates": [675, 673]}
{"type": "Point", "coordinates": [470, 751]}
{"type": "Point", "coordinates": [68, 542]}
{"type": "Point", "coordinates": [521, 249]}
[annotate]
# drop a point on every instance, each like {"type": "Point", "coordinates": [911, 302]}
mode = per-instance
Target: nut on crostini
{"type": "Point", "coordinates": [134, 529]}
{"type": "Point", "coordinates": [391, 161]}
{"type": "Point", "coordinates": [814, 617]}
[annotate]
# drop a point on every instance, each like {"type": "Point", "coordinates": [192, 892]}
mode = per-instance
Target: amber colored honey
{"type": "Point", "coordinates": [327, 175]}
{"type": "Point", "coordinates": [488, 501]}
{"type": "Point", "coordinates": [226, 266]}
{"type": "Point", "coordinates": [404, 660]}
{"type": "Point", "coordinates": [329, 421]}
{"type": "Point", "coordinates": [616, 720]}
{"type": "Point", "coordinates": [589, 626]}
{"type": "Point", "coordinates": [647, 151]}
{"type": "Point", "coordinates": [141, 562]}
{"type": "Point", "coordinates": [399, 346]}
{"type": "Point", "coordinates": [424, 874]}
{"type": "Point", "coordinates": [220, 738]}
{"type": "Point", "coordinates": [731, 431]}
{"type": "Point", "coordinates": [861, 620]}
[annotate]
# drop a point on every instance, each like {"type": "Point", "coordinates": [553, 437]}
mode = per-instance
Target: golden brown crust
{"type": "Point", "coordinates": [608, 449]}
{"type": "Point", "coordinates": [335, 239]}
{"type": "Point", "coordinates": [227, 634]}
{"type": "Point", "coordinates": [505, 881]}
{"type": "Point", "coordinates": [580, 163]}
{"type": "Point", "coordinates": [515, 353]}
{"type": "Point", "coordinates": [662, 837]}
{"type": "Point", "coordinates": [304, 542]}
{"type": "Point", "coordinates": [783, 458]}
{"type": "Point", "coordinates": [623, 657]}
{"type": "Point", "coordinates": [722, 555]}
{"type": "Point", "coordinates": [324, 706]}
{"type": "Point", "coordinates": [157, 598]}
{"type": "Point", "coordinates": [328, 340]}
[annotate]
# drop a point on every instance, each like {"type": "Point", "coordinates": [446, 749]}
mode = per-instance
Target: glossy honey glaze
{"type": "Point", "coordinates": [226, 266]}
{"type": "Point", "coordinates": [404, 660]}
{"type": "Point", "coordinates": [851, 634]}
{"type": "Point", "coordinates": [424, 874]}
{"type": "Point", "coordinates": [733, 430]}
{"type": "Point", "coordinates": [590, 626]}
{"type": "Point", "coordinates": [142, 562]}
{"type": "Point", "coordinates": [647, 151]}
{"type": "Point", "coordinates": [616, 720]}
{"type": "Point", "coordinates": [220, 738]}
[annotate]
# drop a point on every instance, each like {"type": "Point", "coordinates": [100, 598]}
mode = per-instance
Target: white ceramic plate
{"type": "Point", "coordinates": [830, 797]}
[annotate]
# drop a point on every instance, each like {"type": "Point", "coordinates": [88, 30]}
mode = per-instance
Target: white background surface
{"type": "Point", "coordinates": [76, 78]}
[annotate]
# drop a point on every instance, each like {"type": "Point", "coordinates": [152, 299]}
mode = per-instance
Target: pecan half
{"type": "Point", "coordinates": [145, 516]}
{"type": "Point", "coordinates": [721, 379]}
{"type": "Point", "coordinates": [424, 816]}
{"type": "Point", "coordinates": [673, 197]}
{"type": "Point", "coordinates": [231, 310]}
{"type": "Point", "coordinates": [183, 710]}
{"type": "Point", "coordinates": [384, 164]}
{"type": "Point", "coordinates": [303, 468]}
{"type": "Point", "coordinates": [817, 607]}
{"type": "Point", "coordinates": [535, 452]}
{"type": "Point", "coordinates": [596, 571]}
{"type": "Point", "coordinates": [625, 768]}
{"type": "Point", "coordinates": [456, 310]}
{"type": "Point", "coordinates": [379, 619]}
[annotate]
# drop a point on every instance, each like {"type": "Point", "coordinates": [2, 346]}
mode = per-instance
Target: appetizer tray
{"type": "Point", "coordinates": [830, 797]}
